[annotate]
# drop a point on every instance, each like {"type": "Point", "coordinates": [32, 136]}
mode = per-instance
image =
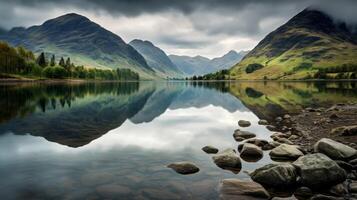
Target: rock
{"type": "Point", "coordinates": [325, 197]}
{"type": "Point", "coordinates": [263, 122]}
{"type": "Point", "coordinates": [271, 127]}
{"type": "Point", "coordinates": [243, 123]}
{"type": "Point", "coordinates": [293, 137]}
{"type": "Point", "coordinates": [317, 170]}
{"type": "Point", "coordinates": [275, 175]}
{"type": "Point", "coordinates": [333, 116]}
{"type": "Point", "coordinates": [284, 198]}
{"type": "Point", "coordinates": [285, 141]}
{"type": "Point", "coordinates": [243, 134]}
{"type": "Point", "coordinates": [258, 142]}
{"type": "Point", "coordinates": [239, 139]}
{"type": "Point", "coordinates": [278, 119]}
{"type": "Point", "coordinates": [310, 109]}
{"type": "Point", "coordinates": [345, 130]}
{"type": "Point", "coordinates": [353, 187]}
{"type": "Point", "coordinates": [286, 116]}
{"type": "Point", "coordinates": [184, 167]}
{"type": "Point", "coordinates": [251, 152]}
{"type": "Point", "coordinates": [303, 192]}
{"type": "Point", "coordinates": [285, 152]}
{"type": "Point", "coordinates": [344, 165]}
{"type": "Point", "coordinates": [278, 135]}
{"type": "Point", "coordinates": [228, 160]}
{"type": "Point", "coordinates": [210, 149]}
{"type": "Point", "coordinates": [335, 150]}
{"type": "Point", "coordinates": [239, 189]}
{"type": "Point", "coordinates": [353, 162]}
{"type": "Point", "coordinates": [271, 145]}
{"type": "Point", "coordinates": [338, 190]}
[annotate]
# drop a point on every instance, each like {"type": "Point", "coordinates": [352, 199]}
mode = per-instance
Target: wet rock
{"type": "Point", "coordinates": [263, 122]}
{"type": "Point", "coordinates": [243, 134]}
{"type": "Point", "coordinates": [210, 149]}
{"type": "Point", "coordinates": [317, 170]}
{"type": "Point", "coordinates": [293, 137]}
{"type": "Point", "coordinates": [271, 127]}
{"type": "Point", "coordinates": [271, 145]}
{"type": "Point", "coordinates": [285, 152]}
{"type": "Point", "coordinates": [243, 123]}
{"type": "Point", "coordinates": [303, 192]}
{"type": "Point", "coordinates": [251, 152]}
{"type": "Point", "coordinates": [345, 130]}
{"type": "Point", "coordinates": [228, 160]}
{"type": "Point", "coordinates": [284, 141]}
{"type": "Point", "coordinates": [239, 189]}
{"type": "Point", "coordinates": [335, 150]}
{"type": "Point", "coordinates": [258, 142]}
{"type": "Point", "coordinates": [353, 187]}
{"type": "Point", "coordinates": [344, 165]}
{"type": "Point", "coordinates": [275, 175]}
{"type": "Point", "coordinates": [338, 190]}
{"type": "Point", "coordinates": [278, 135]}
{"type": "Point", "coordinates": [278, 119]}
{"type": "Point", "coordinates": [239, 139]}
{"type": "Point", "coordinates": [184, 167]}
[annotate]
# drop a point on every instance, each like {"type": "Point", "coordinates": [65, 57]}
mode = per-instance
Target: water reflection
{"type": "Point", "coordinates": [125, 134]}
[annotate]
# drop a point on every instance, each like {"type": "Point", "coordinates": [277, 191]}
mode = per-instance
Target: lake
{"type": "Point", "coordinates": [114, 140]}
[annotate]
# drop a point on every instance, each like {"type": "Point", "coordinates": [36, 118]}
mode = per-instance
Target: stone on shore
{"type": "Point", "coordinates": [285, 152]}
{"type": "Point", "coordinates": [317, 170]}
{"type": "Point", "coordinates": [271, 127]}
{"type": "Point", "coordinates": [239, 189]}
{"type": "Point", "coordinates": [275, 175]}
{"type": "Point", "coordinates": [238, 134]}
{"type": "Point", "coordinates": [345, 130]}
{"type": "Point", "coordinates": [184, 167]}
{"type": "Point", "coordinates": [251, 152]}
{"type": "Point", "coordinates": [243, 123]}
{"type": "Point", "coordinates": [228, 160]}
{"type": "Point", "coordinates": [335, 150]}
{"type": "Point", "coordinates": [263, 122]}
{"type": "Point", "coordinates": [210, 149]}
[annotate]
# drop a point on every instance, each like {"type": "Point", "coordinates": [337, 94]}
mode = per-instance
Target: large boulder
{"type": "Point", "coordinates": [229, 160]}
{"type": "Point", "coordinates": [210, 149]}
{"type": "Point", "coordinates": [335, 150]}
{"type": "Point", "coordinates": [242, 134]}
{"type": "Point", "coordinates": [184, 167]}
{"type": "Point", "coordinates": [275, 175]}
{"type": "Point", "coordinates": [251, 152]}
{"type": "Point", "coordinates": [285, 152]}
{"type": "Point", "coordinates": [317, 170]}
{"type": "Point", "coordinates": [243, 123]}
{"type": "Point", "coordinates": [239, 189]}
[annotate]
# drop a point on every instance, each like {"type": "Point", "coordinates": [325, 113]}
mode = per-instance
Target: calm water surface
{"type": "Point", "coordinates": [114, 140]}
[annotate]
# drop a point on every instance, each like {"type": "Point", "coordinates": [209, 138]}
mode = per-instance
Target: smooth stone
{"type": "Point", "coordinates": [271, 127]}
{"type": "Point", "coordinates": [243, 134]}
{"type": "Point", "coordinates": [258, 142]}
{"type": "Point", "coordinates": [239, 189]}
{"type": "Point", "coordinates": [345, 165]}
{"type": "Point", "coordinates": [229, 160]}
{"type": "Point", "coordinates": [317, 170]}
{"type": "Point", "coordinates": [278, 119]}
{"type": "Point", "coordinates": [243, 123]}
{"type": "Point", "coordinates": [335, 150]}
{"type": "Point", "coordinates": [325, 197]}
{"type": "Point", "coordinates": [251, 152]}
{"type": "Point", "coordinates": [184, 167]}
{"type": "Point", "coordinates": [303, 192]}
{"type": "Point", "coordinates": [286, 116]}
{"type": "Point", "coordinates": [284, 141]}
{"type": "Point", "coordinates": [285, 152]}
{"type": "Point", "coordinates": [275, 175]}
{"type": "Point", "coordinates": [210, 149]}
{"type": "Point", "coordinates": [263, 122]}
{"type": "Point", "coordinates": [338, 190]}
{"type": "Point", "coordinates": [278, 135]}
{"type": "Point", "coordinates": [353, 187]}
{"type": "Point", "coordinates": [271, 145]}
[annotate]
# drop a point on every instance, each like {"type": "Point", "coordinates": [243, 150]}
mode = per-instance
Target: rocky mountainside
{"type": "Point", "coordinates": [86, 42]}
{"type": "Point", "coordinates": [156, 59]}
{"type": "Point", "coordinates": [309, 41]}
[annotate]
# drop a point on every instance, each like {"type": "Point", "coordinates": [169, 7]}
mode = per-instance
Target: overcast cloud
{"type": "Point", "coordinates": [184, 27]}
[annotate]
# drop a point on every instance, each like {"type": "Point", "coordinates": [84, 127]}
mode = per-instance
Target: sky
{"type": "Point", "coordinates": [209, 28]}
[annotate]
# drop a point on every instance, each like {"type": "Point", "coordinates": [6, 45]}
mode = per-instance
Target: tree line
{"type": "Point", "coordinates": [23, 62]}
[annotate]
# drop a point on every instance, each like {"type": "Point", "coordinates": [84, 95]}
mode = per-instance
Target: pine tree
{"type": "Point", "coordinates": [61, 62]}
{"type": "Point", "coordinates": [41, 60]}
{"type": "Point", "coordinates": [68, 63]}
{"type": "Point", "coordinates": [53, 62]}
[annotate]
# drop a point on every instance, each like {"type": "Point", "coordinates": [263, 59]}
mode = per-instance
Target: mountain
{"type": "Point", "coordinates": [200, 65]}
{"type": "Point", "coordinates": [86, 42]}
{"type": "Point", "coordinates": [156, 59]}
{"type": "Point", "coordinates": [309, 41]}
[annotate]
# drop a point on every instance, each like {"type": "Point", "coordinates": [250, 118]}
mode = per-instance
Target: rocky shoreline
{"type": "Point", "coordinates": [314, 157]}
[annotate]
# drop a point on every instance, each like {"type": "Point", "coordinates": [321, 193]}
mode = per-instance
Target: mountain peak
{"type": "Point", "coordinates": [138, 41]}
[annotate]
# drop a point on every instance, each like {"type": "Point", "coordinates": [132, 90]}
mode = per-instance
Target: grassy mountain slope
{"type": "Point", "coordinates": [156, 59]}
{"type": "Point", "coordinates": [309, 41]}
{"type": "Point", "coordinates": [86, 42]}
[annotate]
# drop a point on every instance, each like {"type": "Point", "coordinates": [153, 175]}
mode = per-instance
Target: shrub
{"type": "Point", "coordinates": [253, 67]}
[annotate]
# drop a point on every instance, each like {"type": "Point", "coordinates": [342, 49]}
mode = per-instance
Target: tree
{"type": "Point", "coordinates": [68, 63]}
{"type": "Point", "coordinates": [53, 61]}
{"type": "Point", "coordinates": [41, 60]}
{"type": "Point", "coordinates": [61, 62]}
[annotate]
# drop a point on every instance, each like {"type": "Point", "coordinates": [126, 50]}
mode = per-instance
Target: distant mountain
{"type": "Point", "coordinates": [86, 42]}
{"type": "Point", "coordinates": [200, 65]}
{"type": "Point", "coordinates": [309, 41]}
{"type": "Point", "coordinates": [156, 59]}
